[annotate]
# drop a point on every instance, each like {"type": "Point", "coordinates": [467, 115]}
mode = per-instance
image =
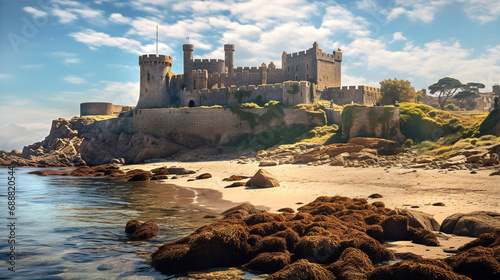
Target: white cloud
{"type": "Point", "coordinates": [71, 60]}
{"type": "Point", "coordinates": [398, 36]}
{"type": "Point", "coordinates": [5, 76]}
{"type": "Point", "coordinates": [119, 18]}
{"type": "Point", "coordinates": [64, 16]}
{"type": "Point", "coordinates": [338, 18]}
{"type": "Point", "coordinates": [430, 62]}
{"type": "Point", "coordinates": [483, 10]}
{"type": "Point", "coordinates": [35, 12]}
{"type": "Point", "coordinates": [74, 80]}
{"type": "Point", "coordinates": [32, 66]}
{"type": "Point", "coordinates": [96, 39]}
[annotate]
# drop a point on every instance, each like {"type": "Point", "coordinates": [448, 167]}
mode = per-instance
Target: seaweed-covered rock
{"type": "Point", "coordinates": [409, 270]}
{"type": "Point", "coordinates": [353, 264]}
{"type": "Point", "coordinates": [221, 244]}
{"type": "Point", "coordinates": [490, 239]}
{"type": "Point", "coordinates": [146, 231]}
{"type": "Point", "coordinates": [140, 230]}
{"type": "Point", "coordinates": [319, 249]}
{"type": "Point", "coordinates": [423, 236]}
{"type": "Point", "coordinates": [360, 240]}
{"type": "Point", "coordinates": [244, 209]}
{"type": "Point", "coordinates": [477, 263]}
{"type": "Point", "coordinates": [204, 176]}
{"type": "Point", "coordinates": [269, 262]}
{"type": "Point", "coordinates": [160, 171]}
{"type": "Point", "coordinates": [291, 237]}
{"type": "Point", "coordinates": [302, 270]}
{"type": "Point", "coordinates": [396, 228]}
{"type": "Point", "coordinates": [132, 226]}
{"type": "Point", "coordinates": [270, 244]}
{"type": "Point", "coordinates": [264, 218]}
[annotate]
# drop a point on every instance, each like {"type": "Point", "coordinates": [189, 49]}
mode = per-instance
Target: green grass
{"type": "Point", "coordinates": [466, 144]}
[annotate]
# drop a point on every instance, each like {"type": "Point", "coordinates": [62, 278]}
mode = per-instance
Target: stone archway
{"type": "Point", "coordinates": [191, 103]}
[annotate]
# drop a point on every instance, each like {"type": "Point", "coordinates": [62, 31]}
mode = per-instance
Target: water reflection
{"type": "Point", "coordinates": [73, 228]}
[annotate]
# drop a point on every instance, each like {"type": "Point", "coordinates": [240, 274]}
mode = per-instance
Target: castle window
{"type": "Point", "coordinates": [296, 77]}
{"type": "Point", "coordinates": [148, 76]}
{"type": "Point", "coordinates": [307, 66]}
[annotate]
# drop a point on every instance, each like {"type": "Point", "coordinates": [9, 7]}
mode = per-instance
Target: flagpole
{"type": "Point", "coordinates": [157, 40]}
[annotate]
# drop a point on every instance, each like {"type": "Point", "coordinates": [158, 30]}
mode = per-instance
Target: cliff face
{"type": "Point", "coordinates": [86, 141]}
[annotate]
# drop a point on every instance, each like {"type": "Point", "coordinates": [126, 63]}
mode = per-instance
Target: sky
{"type": "Point", "coordinates": [55, 54]}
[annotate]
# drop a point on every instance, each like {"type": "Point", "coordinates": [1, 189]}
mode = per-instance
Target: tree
{"type": "Point", "coordinates": [450, 87]}
{"type": "Point", "coordinates": [397, 90]}
{"type": "Point", "coordinates": [445, 88]}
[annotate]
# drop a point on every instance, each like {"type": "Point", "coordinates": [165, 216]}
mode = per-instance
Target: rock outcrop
{"type": "Point", "coordinates": [471, 224]}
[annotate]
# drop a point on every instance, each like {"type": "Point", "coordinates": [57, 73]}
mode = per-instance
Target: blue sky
{"type": "Point", "coordinates": [56, 54]}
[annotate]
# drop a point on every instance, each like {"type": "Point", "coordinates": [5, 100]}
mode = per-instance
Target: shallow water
{"type": "Point", "coordinates": [73, 228]}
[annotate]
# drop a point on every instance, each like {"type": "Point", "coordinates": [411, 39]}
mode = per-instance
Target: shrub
{"type": "Point", "coordinates": [451, 107]}
{"type": "Point", "coordinates": [408, 143]}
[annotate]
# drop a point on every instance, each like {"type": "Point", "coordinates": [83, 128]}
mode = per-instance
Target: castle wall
{"type": "Point", "coordinates": [216, 125]}
{"type": "Point", "coordinates": [101, 108]}
{"type": "Point", "coordinates": [224, 97]}
{"type": "Point", "coordinates": [211, 65]}
{"type": "Point", "coordinates": [370, 121]}
{"type": "Point", "coordinates": [333, 116]}
{"type": "Point", "coordinates": [352, 94]}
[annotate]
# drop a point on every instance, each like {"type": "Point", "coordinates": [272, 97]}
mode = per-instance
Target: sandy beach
{"type": "Point", "coordinates": [416, 189]}
{"type": "Point", "coordinates": [459, 190]}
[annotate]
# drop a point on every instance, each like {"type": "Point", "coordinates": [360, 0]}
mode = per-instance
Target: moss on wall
{"type": "Point", "coordinates": [240, 94]}
{"type": "Point", "coordinates": [348, 117]}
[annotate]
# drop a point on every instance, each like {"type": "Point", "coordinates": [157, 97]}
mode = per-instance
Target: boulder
{"type": "Point", "coordinates": [396, 228]}
{"type": "Point", "coordinates": [375, 195]}
{"type": "Point", "coordinates": [353, 264]}
{"type": "Point", "coordinates": [269, 262]}
{"type": "Point", "coordinates": [138, 175]}
{"type": "Point", "coordinates": [471, 224]}
{"type": "Point", "coordinates": [302, 270]}
{"type": "Point", "coordinates": [146, 231]}
{"type": "Point", "coordinates": [235, 178]}
{"type": "Point", "coordinates": [244, 209]}
{"type": "Point", "coordinates": [236, 184]}
{"type": "Point", "coordinates": [320, 249]}
{"type": "Point", "coordinates": [411, 270]}
{"type": "Point", "coordinates": [417, 219]}
{"type": "Point", "coordinates": [160, 171]}
{"type": "Point", "coordinates": [476, 263]}
{"type": "Point", "coordinates": [453, 161]}
{"type": "Point", "coordinates": [204, 176]}
{"type": "Point", "coordinates": [324, 152]}
{"type": "Point", "coordinates": [263, 179]}
{"type": "Point", "coordinates": [140, 230]}
{"type": "Point", "coordinates": [383, 146]}
{"type": "Point", "coordinates": [490, 239]}
{"type": "Point", "coordinates": [495, 173]}
{"type": "Point", "coordinates": [264, 163]}
{"type": "Point", "coordinates": [423, 236]}
{"type": "Point", "coordinates": [132, 226]}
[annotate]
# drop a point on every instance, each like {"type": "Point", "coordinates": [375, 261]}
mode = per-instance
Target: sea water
{"type": "Point", "coordinates": [73, 227]}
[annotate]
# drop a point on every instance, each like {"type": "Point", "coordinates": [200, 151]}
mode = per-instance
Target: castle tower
{"type": "Point", "coordinates": [229, 57]}
{"type": "Point", "coordinates": [496, 89]}
{"type": "Point", "coordinates": [153, 82]}
{"type": "Point", "coordinates": [188, 61]}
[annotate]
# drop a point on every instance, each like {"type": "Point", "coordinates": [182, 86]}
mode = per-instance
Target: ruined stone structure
{"type": "Point", "coordinates": [207, 82]}
{"type": "Point", "coordinates": [102, 108]}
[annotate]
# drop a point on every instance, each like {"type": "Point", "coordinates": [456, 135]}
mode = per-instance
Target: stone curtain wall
{"type": "Point", "coordinates": [100, 108]}
{"type": "Point", "coordinates": [278, 92]}
{"type": "Point", "coordinates": [370, 121]}
{"type": "Point", "coordinates": [352, 94]}
{"type": "Point", "coordinates": [216, 125]}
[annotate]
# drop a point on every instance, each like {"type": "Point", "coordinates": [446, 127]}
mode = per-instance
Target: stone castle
{"type": "Point", "coordinates": [208, 82]}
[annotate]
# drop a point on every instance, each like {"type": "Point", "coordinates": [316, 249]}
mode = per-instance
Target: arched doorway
{"type": "Point", "coordinates": [191, 103]}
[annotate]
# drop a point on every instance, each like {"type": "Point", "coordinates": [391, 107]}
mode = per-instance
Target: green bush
{"type": "Point", "coordinates": [432, 114]}
{"type": "Point", "coordinates": [408, 143]}
{"type": "Point", "coordinates": [452, 107]}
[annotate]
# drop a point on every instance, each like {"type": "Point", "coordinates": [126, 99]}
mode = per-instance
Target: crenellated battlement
{"type": "Point", "coordinates": [205, 60]}
{"type": "Point", "coordinates": [153, 59]}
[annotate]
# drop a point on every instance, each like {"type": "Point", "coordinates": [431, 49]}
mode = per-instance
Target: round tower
{"type": "Point", "coordinates": [229, 57]}
{"type": "Point", "coordinates": [188, 61]}
{"type": "Point", "coordinates": [153, 84]}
